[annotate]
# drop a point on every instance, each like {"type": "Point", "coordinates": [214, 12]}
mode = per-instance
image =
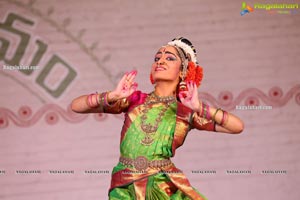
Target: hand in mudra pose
{"type": "Point", "coordinates": [190, 98]}
{"type": "Point", "coordinates": [125, 87]}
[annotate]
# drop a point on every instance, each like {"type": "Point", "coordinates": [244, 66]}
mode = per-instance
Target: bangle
{"type": "Point", "coordinates": [200, 108]}
{"type": "Point", "coordinates": [227, 118]}
{"type": "Point", "coordinates": [94, 100]}
{"type": "Point", "coordinates": [214, 125]}
{"type": "Point", "coordinates": [204, 110]}
{"type": "Point", "coordinates": [100, 98]}
{"type": "Point", "coordinates": [90, 102]}
{"type": "Point", "coordinates": [208, 117]}
{"type": "Point", "coordinates": [223, 118]}
{"type": "Point", "coordinates": [214, 115]}
{"type": "Point", "coordinates": [106, 99]}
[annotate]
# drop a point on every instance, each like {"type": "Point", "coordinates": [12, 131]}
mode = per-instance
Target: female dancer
{"type": "Point", "coordinates": [156, 124]}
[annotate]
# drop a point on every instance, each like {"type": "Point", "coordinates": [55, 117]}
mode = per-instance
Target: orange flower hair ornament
{"type": "Point", "coordinates": [191, 71]}
{"type": "Point", "coordinates": [194, 73]}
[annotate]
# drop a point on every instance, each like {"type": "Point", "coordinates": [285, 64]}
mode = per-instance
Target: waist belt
{"type": "Point", "coordinates": [142, 163]}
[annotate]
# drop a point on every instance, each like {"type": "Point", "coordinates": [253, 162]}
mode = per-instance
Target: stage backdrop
{"type": "Point", "coordinates": [54, 51]}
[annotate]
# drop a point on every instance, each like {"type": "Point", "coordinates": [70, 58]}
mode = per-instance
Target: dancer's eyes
{"type": "Point", "coordinates": [156, 58]}
{"type": "Point", "coordinates": [169, 58]}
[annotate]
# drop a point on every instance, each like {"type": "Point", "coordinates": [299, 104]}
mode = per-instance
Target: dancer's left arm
{"type": "Point", "coordinates": [227, 123]}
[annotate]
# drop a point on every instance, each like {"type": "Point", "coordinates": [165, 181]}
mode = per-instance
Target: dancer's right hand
{"type": "Point", "coordinates": [125, 87]}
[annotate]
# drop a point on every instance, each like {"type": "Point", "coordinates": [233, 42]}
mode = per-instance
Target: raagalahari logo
{"type": "Point", "coordinates": [246, 9]}
{"type": "Point", "coordinates": [280, 8]}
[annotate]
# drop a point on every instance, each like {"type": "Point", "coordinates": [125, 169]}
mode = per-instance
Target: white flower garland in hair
{"type": "Point", "coordinates": [186, 48]}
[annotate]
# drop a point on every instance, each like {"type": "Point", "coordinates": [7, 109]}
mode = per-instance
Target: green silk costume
{"type": "Point", "coordinates": [152, 183]}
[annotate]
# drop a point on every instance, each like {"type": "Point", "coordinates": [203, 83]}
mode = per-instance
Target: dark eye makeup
{"type": "Point", "coordinates": [170, 56]}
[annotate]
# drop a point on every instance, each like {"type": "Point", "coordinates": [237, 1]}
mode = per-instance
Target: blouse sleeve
{"type": "Point", "coordinates": [193, 119]}
{"type": "Point", "coordinates": [125, 104]}
{"type": "Point", "coordinates": [202, 123]}
{"type": "Point", "coordinates": [117, 107]}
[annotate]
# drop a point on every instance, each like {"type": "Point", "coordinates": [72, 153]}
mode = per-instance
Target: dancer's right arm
{"type": "Point", "coordinates": [124, 89]}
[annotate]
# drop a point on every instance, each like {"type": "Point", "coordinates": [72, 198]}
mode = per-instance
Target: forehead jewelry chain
{"type": "Point", "coordinates": [148, 128]}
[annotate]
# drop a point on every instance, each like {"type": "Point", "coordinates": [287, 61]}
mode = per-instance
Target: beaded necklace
{"type": "Point", "coordinates": [148, 128]}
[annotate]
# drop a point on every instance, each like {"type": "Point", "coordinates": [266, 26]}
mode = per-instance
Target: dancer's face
{"type": "Point", "coordinates": [166, 65]}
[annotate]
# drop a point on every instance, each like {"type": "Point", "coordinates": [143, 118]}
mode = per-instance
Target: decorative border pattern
{"type": "Point", "coordinates": [52, 113]}
{"type": "Point", "coordinates": [252, 97]}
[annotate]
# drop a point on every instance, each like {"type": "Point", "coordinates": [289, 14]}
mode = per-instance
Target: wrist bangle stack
{"type": "Point", "coordinates": [214, 115]}
{"type": "Point", "coordinates": [208, 117]}
{"type": "Point", "coordinates": [92, 100]}
{"type": "Point", "coordinates": [97, 100]}
{"type": "Point", "coordinates": [101, 97]}
{"type": "Point", "coordinates": [224, 119]}
{"type": "Point", "coordinates": [106, 100]}
{"type": "Point", "coordinates": [204, 111]}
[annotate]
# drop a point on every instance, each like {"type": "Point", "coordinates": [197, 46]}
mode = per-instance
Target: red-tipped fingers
{"type": "Point", "coordinates": [134, 72]}
{"type": "Point", "coordinates": [190, 86]}
{"type": "Point", "coordinates": [131, 75]}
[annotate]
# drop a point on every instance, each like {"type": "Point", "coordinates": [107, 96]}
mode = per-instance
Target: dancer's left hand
{"type": "Point", "coordinates": [190, 98]}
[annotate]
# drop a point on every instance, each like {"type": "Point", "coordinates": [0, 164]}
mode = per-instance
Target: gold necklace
{"type": "Point", "coordinates": [148, 128]}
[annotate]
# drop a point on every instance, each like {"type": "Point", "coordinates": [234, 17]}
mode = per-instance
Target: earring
{"type": "Point", "coordinates": [151, 79]}
{"type": "Point", "coordinates": [182, 86]}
